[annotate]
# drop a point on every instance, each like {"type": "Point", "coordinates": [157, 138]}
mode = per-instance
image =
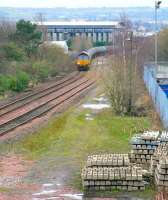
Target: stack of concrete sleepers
{"type": "Point", "coordinates": [161, 174]}
{"type": "Point", "coordinates": [159, 153]}
{"type": "Point", "coordinates": [112, 160]}
{"type": "Point", "coordinates": [143, 146]}
{"type": "Point", "coordinates": [111, 171]}
{"type": "Point", "coordinates": [111, 178]}
{"type": "Point", "coordinates": [163, 137]}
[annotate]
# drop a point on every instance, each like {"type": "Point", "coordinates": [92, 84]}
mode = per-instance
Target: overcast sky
{"type": "Point", "coordinates": [78, 3]}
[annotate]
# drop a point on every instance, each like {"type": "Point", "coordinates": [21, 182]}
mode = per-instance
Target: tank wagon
{"type": "Point", "coordinates": [84, 58]}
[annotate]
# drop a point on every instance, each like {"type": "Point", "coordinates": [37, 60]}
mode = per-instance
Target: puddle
{"type": "Point", "coordinates": [50, 198]}
{"type": "Point", "coordinates": [101, 99]}
{"type": "Point", "coordinates": [93, 106]}
{"type": "Point", "coordinates": [89, 117]}
{"type": "Point", "coordinates": [74, 196]}
{"type": "Point", "coordinates": [48, 184]}
{"type": "Point", "coordinates": [44, 192]}
{"type": "Point", "coordinates": [97, 103]}
{"type": "Point", "coordinates": [51, 191]}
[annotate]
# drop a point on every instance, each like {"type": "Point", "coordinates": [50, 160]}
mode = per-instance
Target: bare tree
{"type": "Point", "coordinates": [125, 21]}
{"type": "Point", "coordinates": [122, 78]}
{"type": "Point", "coordinates": [80, 43]}
{"type": "Point", "coordinates": [115, 85]}
{"type": "Point", "coordinates": [40, 19]}
{"type": "Point", "coordinates": [163, 45]}
{"type": "Point", "coordinates": [6, 29]}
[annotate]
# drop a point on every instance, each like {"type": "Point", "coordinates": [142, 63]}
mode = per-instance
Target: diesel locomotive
{"type": "Point", "coordinates": [84, 58]}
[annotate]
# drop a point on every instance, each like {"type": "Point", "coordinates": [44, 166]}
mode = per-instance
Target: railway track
{"type": "Point", "coordinates": [162, 196]}
{"type": "Point", "coordinates": [36, 94]}
{"type": "Point", "coordinates": [35, 105]}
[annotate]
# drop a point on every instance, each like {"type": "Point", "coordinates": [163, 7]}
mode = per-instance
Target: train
{"type": "Point", "coordinates": [84, 58]}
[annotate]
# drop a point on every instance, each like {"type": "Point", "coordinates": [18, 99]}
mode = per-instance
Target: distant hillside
{"type": "Point", "coordinates": [144, 14]}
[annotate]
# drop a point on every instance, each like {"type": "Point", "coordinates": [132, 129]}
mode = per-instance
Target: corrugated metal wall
{"type": "Point", "coordinates": [158, 95]}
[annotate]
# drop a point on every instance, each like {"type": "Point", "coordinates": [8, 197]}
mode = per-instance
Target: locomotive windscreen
{"type": "Point", "coordinates": [83, 57]}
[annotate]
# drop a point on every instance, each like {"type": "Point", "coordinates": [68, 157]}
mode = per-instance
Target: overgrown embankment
{"type": "Point", "coordinates": [24, 61]}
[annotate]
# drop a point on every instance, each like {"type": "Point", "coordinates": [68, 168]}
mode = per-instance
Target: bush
{"type": "Point", "coordinates": [4, 84]}
{"type": "Point", "coordinates": [40, 70]}
{"type": "Point", "coordinates": [19, 82]}
{"type": "Point", "coordinates": [55, 58]}
{"type": "Point", "coordinates": [12, 52]}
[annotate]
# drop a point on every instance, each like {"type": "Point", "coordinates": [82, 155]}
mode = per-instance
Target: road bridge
{"type": "Point", "coordinates": [96, 30]}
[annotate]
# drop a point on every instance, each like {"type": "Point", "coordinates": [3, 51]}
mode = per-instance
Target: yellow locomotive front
{"type": "Point", "coordinates": [83, 61]}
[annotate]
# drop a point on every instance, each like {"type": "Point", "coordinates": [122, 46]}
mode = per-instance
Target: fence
{"type": "Point", "coordinates": [159, 97]}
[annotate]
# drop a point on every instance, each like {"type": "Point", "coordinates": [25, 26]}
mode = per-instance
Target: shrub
{"type": "Point", "coordinates": [40, 70]}
{"type": "Point", "coordinates": [12, 52]}
{"type": "Point", "coordinates": [19, 82]}
{"type": "Point", "coordinates": [55, 58]}
{"type": "Point", "coordinates": [4, 84]}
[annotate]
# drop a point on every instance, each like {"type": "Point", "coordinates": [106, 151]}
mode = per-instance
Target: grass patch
{"type": "Point", "coordinates": [71, 135]}
{"type": "Point", "coordinates": [4, 190]}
